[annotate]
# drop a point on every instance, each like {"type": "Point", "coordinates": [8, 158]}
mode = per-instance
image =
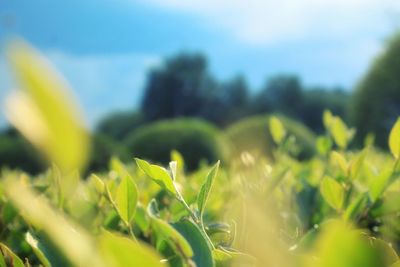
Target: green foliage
{"type": "Point", "coordinates": [15, 152]}
{"type": "Point", "coordinates": [394, 140]}
{"type": "Point", "coordinates": [255, 134]}
{"type": "Point", "coordinates": [195, 140]}
{"type": "Point", "coordinates": [103, 149]}
{"type": "Point", "coordinates": [119, 124]}
{"type": "Point", "coordinates": [337, 211]}
{"type": "Point", "coordinates": [376, 102]}
{"type": "Point", "coordinates": [332, 192]}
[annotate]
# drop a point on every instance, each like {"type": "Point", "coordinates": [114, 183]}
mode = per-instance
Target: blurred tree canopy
{"type": "Point", "coordinates": [184, 87]}
{"type": "Point", "coordinates": [376, 102]}
{"type": "Point", "coordinates": [178, 88]}
{"type": "Point", "coordinates": [118, 125]}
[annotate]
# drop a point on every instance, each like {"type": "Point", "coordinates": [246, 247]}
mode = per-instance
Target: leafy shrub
{"type": "Point", "coordinates": [339, 209]}
{"type": "Point", "coordinates": [119, 124]}
{"type": "Point", "coordinates": [196, 140]}
{"type": "Point", "coordinates": [376, 101]}
{"type": "Point", "coordinates": [253, 134]}
{"type": "Point", "coordinates": [103, 148]}
{"type": "Point", "coordinates": [15, 152]}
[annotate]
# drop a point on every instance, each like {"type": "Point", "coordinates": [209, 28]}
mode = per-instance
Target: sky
{"type": "Point", "coordinates": [105, 48]}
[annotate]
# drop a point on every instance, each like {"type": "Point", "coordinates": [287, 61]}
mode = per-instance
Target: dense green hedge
{"type": "Point", "coordinates": [252, 134]}
{"type": "Point", "coordinates": [103, 148]}
{"type": "Point", "coordinates": [376, 101]}
{"type": "Point", "coordinates": [195, 139]}
{"type": "Point", "coordinates": [15, 152]}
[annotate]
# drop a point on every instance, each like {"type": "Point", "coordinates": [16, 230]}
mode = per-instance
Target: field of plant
{"type": "Point", "coordinates": [339, 208]}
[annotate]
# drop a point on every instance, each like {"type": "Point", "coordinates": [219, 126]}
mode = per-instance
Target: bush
{"type": "Point", "coordinates": [196, 140]}
{"type": "Point", "coordinates": [103, 148]}
{"type": "Point", "coordinates": [118, 125]}
{"type": "Point", "coordinates": [252, 134]}
{"type": "Point", "coordinates": [15, 152]}
{"type": "Point", "coordinates": [376, 102]}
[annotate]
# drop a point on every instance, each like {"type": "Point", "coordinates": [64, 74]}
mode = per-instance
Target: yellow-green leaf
{"type": "Point", "coordinates": [44, 112]}
{"type": "Point", "coordinates": [327, 118]}
{"type": "Point", "coordinates": [168, 233]}
{"type": "Point", "coordinates": [119, 251]}
{"type": "Point", "coordinates": [205, 189]}
{"type": "Point", "coordinates": [340, 161]}
{"type": "Point", "coordinates": [357, 163]}
{"type": "Point", "coordinates": [277, 130]}
{"type": "Point", "coordinates": [394, 139]}
{"type": "Point", "coordinates": [126, 199]}
{"type": "Point", "coordinates": [332, 192]}
{"type": "Point", "coordinates": [10, 256]}
{"type": "Point", "coordinates": [339, 132]}
{"type": "Point", "coordinates": [158, 175]}
{"type": "Point", "coordinates": [73, 241]}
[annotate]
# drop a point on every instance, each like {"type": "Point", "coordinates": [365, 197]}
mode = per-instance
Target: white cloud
{"type": "Point", "coordinates": [271, 22]}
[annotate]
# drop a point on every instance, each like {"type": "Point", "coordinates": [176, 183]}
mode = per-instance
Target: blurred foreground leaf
{"type": "Point", "coordinates": [44, 112]}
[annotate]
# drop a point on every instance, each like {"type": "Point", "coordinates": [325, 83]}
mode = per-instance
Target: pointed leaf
{"type": "Point", "coordinates": [339, 132]}
{"type": "Point", "coordinates": [126, 199]}
{"type": "Point", "coordinates": [11, 256]}
{"type": "Point", "coordinates": [168, 233]}
{"type": "Point", "coordinates": [44, 112]}
{"type": "Point", "coordinates": [277, 130]}
{"type": "Point", "coordinates": [332, 192]}
{"type": "Point", "coordinates": [202, 251]}
{"type": "Point", "coordinates": [158, 175]}
{"type": "Point", "coordinates": [205, 189]}
{"type": "Point", "coordinates": [340, 161]}
{"type": "Point", "coordinates": [394, 139]}
{"type": "Point", "coordinates": [119, 251]}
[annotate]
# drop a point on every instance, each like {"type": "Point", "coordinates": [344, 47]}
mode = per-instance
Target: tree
{"type": "Point", "coordinates": [118, 125]}
{"type": "Point", "coordinates": [316, 100]}
{"type": "Point", "coordinates": [281, 93]}
{"type": "Point", "coordinates": [229, 102]}
{"type": "Point", "coordinates": [178, 88]}
{"type": "Point", "coordinates": [376, 102]}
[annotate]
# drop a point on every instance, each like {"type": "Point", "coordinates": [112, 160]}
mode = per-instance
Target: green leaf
{"type": "Point", "coordinates": [2, 260]}
{"type": "Point", "coordinates": [327, 119]}
{"type": "Point", "coordinates": [340, 161]}
{"type": "Point", "coordinates": [10, 256]}
{"type": "Point", "coordinates": [339, 132]}
{"type": "Point", "coordinates": [73, 241]}
{"type": "Point", "coordinates": [173, 167]}
{"type": "Point", "coordinates": [277, 130]}
{"type": "Point", "coordinates": [202, 251]}
{"type": "Point", "coordinates": [394, 139]}
{"type": "Point", "coordinates": [119, 251]}
{"type": "Point", "coordinates": [339, 245]}
{"type": "Point", "coordinates": [98, 184]}
{"type": "Point", "coordinates": [176, 156]}
{"type": "Point", "coordinates": [356, 207]}
{"type": "Point", "coordinates": [126, 199]}
{"type": "Point", "coordinates": [34, 243]}
{"type": "Point", "coordinates": [332, 192]}
{"type": "Point", "coordinates": [205, 189]}
{"type": "Point", "coordinates": [379, 183]}
{"type": "Point", "coordinates": [324, 144]}
{"type": "Point", "coordinates": [168, 233]}
{"type": "Point", "coordinates": [44, 112]}
{"type": "Point", "coordinates": [357, 163]}
{"type": "Point", "coordinates": [158, 175]}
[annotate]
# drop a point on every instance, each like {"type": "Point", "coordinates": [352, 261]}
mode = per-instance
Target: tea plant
{"type": "Point", "coordinates": [338, 209]}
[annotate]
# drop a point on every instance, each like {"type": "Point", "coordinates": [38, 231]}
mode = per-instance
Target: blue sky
{"type": "Point", "coordinates": [104, 48]}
